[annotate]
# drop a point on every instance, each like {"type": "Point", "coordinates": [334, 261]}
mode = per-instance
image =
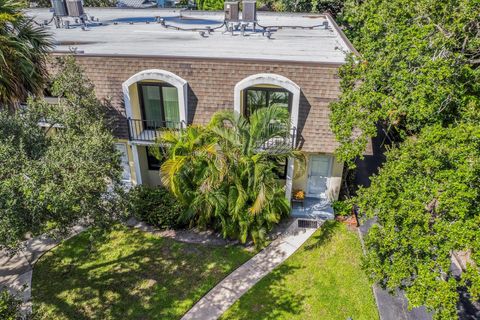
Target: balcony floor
{"type": "Point", "coordinates": [313, 208]}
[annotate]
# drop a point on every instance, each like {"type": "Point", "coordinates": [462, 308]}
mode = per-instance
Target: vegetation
{"type": "Point", "coordinates": [343, 208]}
{"type": "Point", "coordinates": [59, 175]}
{"type": "Point", "coordinates": [23, 55]}
{"type": "Point", "coordinates": [418, 77]}
{"type": "Point", "coordinates": [9, 306]}
{"type": "Point", "coordinates": [127, 274]}
{"type": "Point", "coordinates": [427, 204]}
{"type": "Point", "coordinates": [224, 177]}
{"type": "Point", "coordinates": [334, 7]}
{"type": "Point", "coordinates": [155, 205]}
{"type": "Point", "coordinates": [210, 4]}
{"type": "Point", "coordinates": [323, 280]}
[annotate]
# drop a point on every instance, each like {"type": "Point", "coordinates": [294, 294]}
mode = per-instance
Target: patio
{"type": "Point", "coordinates": [313, 208]}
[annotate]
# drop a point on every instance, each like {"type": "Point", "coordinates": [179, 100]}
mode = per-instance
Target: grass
{"type": "Point", "coordinates": [322, 280]}
{"type": "Point", "coordinates": [127, 274]}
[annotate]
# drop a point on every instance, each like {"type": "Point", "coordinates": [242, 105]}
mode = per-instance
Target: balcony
{"type": "Point", "coordinates": [147, 131]}
{"type": "Point", "coordinates": [278, 139]}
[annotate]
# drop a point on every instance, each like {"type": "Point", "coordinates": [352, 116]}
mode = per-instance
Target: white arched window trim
{"type": "Point", "coordinates": [159, 75]}
{"type": "Point", "coordinates": [279, 81]}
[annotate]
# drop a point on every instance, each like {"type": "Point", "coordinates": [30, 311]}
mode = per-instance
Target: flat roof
{"type": "Point", "coordinates": [136, 32]}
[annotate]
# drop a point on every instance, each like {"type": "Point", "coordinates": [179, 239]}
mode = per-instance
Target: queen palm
{"type": "Point", "coordinates": [224, 172]}
{"type": "Point", "coordinates": [23, 53]}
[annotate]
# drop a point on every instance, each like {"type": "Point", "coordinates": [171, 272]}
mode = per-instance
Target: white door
{"type": "Point", "coordinates": [318, 174]}
{"type": "Point", "coordinates": [122, 149]}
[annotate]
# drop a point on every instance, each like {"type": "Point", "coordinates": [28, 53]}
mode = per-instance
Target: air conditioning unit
{"type": "Point", "coordinates": [75, 8]}
{"type": "Point", "coordinates": [231, 9]}
{"type": "Point", "coordinates": [59, 8]}
{"type": "Point", "coordinates": [249, 13]}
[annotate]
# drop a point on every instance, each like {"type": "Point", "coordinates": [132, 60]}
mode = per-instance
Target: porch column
{"type": "Point", "coordinates": [136, 163]}
{"type": "Point", "coordinates": [289, 180]}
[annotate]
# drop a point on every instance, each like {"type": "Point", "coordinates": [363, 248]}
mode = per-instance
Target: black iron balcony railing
{"type": "Point", "coordinates": [150, 130]}
{"type": "Point", "coordinates": [277, 139]}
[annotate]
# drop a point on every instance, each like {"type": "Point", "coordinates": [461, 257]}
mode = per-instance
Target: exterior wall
{"type": "Point", "coordinates": [130, 159]}
{"type": "Point", "coordinates": [211, 85]}
{"type": "Point", "coordinates": [135, 101]}
{"type": "Point", "coordinates": [335, 179]}
{"type": "Point", "coordinates": [334, 182]}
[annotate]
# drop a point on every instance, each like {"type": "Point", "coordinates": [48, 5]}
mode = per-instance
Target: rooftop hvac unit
{"type": "Point", "coordinates": [59, 8]}
{"type": "Point", "coordinates": [249, 13]}
{"type": "Point", "coordinates": [75, 8]}
{"type": "Point", "coordinates": [231, 11]}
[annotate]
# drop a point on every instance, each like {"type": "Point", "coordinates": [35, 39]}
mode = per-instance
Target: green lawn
{"type": "Point", "coordinates": [322, 280]}
{"type": "Point", "coordinates": [128, 275]}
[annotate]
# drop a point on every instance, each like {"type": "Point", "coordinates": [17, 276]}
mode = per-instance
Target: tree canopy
{"type": "Point", "coordinates": [23, 54]}
{"type": "Point", "coordinates": [56, 176]}
{"type": "Point", "coordinates": [417, 76]}
{"type": "Point", "coordinates": [418, 66]}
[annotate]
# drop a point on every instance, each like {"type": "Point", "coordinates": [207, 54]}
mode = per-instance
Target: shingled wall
{"type": "Point", "coordinates": [211, 87]}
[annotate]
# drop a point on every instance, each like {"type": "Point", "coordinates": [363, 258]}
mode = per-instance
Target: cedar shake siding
{"type": "Point", "coordinates": [211, 85]}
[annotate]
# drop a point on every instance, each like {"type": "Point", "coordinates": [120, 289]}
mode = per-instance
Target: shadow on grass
{"type": "Point", "coordinates": [273, 297]}
{"type": "Point", "coordinates": [269, 298]}
{"type": "Point", "coordinates": [137, 277]}
{"type": "Point", "coordinates": [327, 230]}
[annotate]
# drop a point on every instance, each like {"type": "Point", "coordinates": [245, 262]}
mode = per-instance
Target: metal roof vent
{"type": "Point", "coordinates": [303, 223]}
{"type": "Point", "coordinates": [249, 13]}
{"type": "Point", "coordinates": [75, 8]}
{"type": "Point", "coordinates": [231, 11]}
{"type": "Point", "coordinates": [59, 8]}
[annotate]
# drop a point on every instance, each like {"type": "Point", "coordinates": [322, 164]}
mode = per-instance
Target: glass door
{"type": "Point", "coordinates": [151, 104]}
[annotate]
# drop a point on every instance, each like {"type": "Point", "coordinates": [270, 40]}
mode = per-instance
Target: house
{"type": "Point", "coordinates": [164, 68]}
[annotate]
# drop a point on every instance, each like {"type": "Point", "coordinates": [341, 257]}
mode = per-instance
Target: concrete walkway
{"type": "Point", "coordinates": [16, 271]}
{"type": "Point", "coordinates": [230, 289]}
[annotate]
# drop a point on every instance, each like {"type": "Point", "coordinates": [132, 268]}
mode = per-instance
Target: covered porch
{"type": "Point", "coordinates": [316, 184]}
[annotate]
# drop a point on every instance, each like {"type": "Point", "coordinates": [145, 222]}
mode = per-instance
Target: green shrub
{"type": "Point", "coordinates": [9, 306]}
{"type": "Point", "coordinates": [210, 4]}
{"type": "Point", "coordinates": [156, 206]}
{"type": "Point", "coordinates": [342, 208]}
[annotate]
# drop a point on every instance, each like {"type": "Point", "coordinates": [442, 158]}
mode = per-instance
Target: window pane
{"type": "Point", "coordinates": [256, 99]}
{"type": "Point", "coordinates": [153, 162]}
{"type": "Point", "coordinates": [122, 148]}
{"type": "Point", "coordinates": [278, 98]}
{"type": "Point", "coordinates": [170, 105]}
{"type": "Point", "coordinates": [152, 105]}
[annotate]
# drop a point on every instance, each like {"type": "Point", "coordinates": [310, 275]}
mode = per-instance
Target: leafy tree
{"type": "Point", "coordinates": [334, 7]}
{"type": "Point", "coordinates": [23, 55]}
{"type": "Point", "coordinates": [210, 4]}
{"type": "Point", "coordinates": [426, 199]}
{"type": "Point", "coordinates": [58, 176]}
{"type": "Point", "coordinates": [224, 174]}
{"type": "Point", "coordinates": [418, 66]}
{"type": "Point", "coordinates": [418, 77]}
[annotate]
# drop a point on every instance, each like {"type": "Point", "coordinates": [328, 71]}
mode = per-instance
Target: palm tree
{"type": "Point", "coordinates": [224, 172]}
{"type": "Point", "coordinates": [23, 54]}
